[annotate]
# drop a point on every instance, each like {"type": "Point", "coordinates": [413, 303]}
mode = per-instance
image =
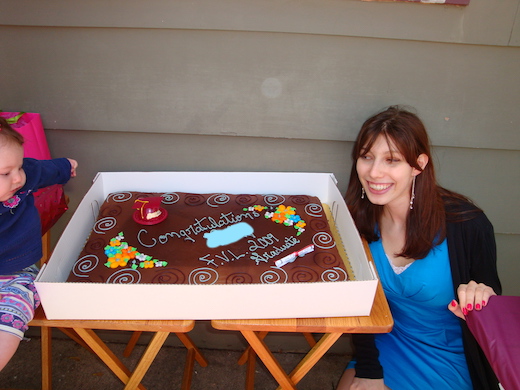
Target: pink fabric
{"type": "Point", "coordinates": [497, 330]}
{"type": "Point", "coordinates": [31, 127]}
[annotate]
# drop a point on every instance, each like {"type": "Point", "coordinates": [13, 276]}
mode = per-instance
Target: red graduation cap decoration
{"type": "Point", "coordinates": [149, 210]}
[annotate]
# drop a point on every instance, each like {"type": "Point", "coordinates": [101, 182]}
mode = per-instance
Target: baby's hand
{"type": "Point", "coordinates": [73, 166]}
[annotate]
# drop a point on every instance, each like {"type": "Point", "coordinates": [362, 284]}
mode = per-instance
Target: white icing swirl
{"type": "Point", "coordinates": [273, 200]}
{"type": "Point", "coordinates": [170, 198]}
{"type": "Point", "coordinates": [104, 224]}
{"type": "Point", "coordinates": [334, 275]}
{"type": "Point", "coordinates": [121, 196]}
{"type": "Point", "coordinates": [323, 240]}
{"type": "Point", "coordinates": [314, 210]}
{"type": "Point", "coordinates": [203, 276]}
{"type": "Point", "coordinates": [125, 276]}
{"type": "Point", "coordinates": [84, 265]}
{"type": "Point", "coordinates": [217, 199]}
{"type": "Point", "coordinates": [274, 275]}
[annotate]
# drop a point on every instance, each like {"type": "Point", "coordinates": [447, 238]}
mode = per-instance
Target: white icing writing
{"type": "Point", "coordinates": [265, 243]}
{"type": "Point", "coordinates": [223, 257]}
{"type": "Point", "coordinates": [199, 226]}
{"type": "Point", "coordinates": [262, 242]}
{"type": "Point", "coordinates": [275, 251]}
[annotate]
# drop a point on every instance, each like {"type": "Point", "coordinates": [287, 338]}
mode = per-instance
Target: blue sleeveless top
{"type": "Point", "coordinates": [424, 349]}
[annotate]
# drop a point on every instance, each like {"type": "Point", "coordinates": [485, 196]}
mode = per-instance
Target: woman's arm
{"type": "Point", "coordinates": [477, 261]}
{"type": "Point", "coordinates": [367, 357]}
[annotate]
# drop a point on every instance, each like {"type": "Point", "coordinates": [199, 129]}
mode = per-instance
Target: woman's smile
{"type": "Point", "coordinates": [378, 188]}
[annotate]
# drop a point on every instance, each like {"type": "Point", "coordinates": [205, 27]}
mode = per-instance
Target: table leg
{"type": "Point", "coordinates": [251, 366]}
{"type": "Point", "coordinates": [188, 369]}
{"type": "Point", "coordinates": [131, 343]}
{"type": "Point", "coordinates": [270, 362]}
{"type": "Point", "coordinates": [146, 360]}
{"type": "Point", "coordinates": [105, 354]}
{"type": "Point", "coordinates": [310, 339]}
{"type": "Point", "coordinates": [46, 345]}
{"type": "Point", "coordinates": [313, 356]}
{"type": "Point", "coordinates": [186, 340]}
{"type": "Point", "coordinates": [245, 355]}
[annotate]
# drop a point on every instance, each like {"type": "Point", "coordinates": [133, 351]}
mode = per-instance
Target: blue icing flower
{"type": "Point", "coordinates": [111, 250]}
{"type": "Point", "coordinates": [295, 218]}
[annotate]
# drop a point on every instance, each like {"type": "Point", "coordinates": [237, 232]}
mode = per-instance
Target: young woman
{"type": "Point", "coordinates": [436, 258]}
{"type": "Point", "coordinates": [20, 233]}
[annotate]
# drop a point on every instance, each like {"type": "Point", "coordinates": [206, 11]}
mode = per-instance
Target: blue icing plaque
{"type": "Point", "coordinates": [228, 235]}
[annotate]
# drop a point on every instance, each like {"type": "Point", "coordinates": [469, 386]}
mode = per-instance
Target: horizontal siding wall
{"type": "Point", "coordinates": [271, 86]}
{"type": "Point", "coordinates": [259, 84]}
{"type": "Point", "coordinates": [485, 22]}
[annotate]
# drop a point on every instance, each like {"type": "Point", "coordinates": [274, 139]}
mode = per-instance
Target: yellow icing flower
{"type": "Point", "coordinates": [114, 264]}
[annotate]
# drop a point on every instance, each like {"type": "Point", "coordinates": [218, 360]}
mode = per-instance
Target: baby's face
{"type": "Point", "coordinates": [12, 175]}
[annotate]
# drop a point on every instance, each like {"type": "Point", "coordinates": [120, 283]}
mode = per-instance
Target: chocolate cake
{"type": "Point", "coordinates": [184, 238]}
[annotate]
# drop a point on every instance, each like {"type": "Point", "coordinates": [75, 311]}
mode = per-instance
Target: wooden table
{"type": "Point", "coordinates": [82, 332]}
{"type": "Point", "coordinates": [254, 331]}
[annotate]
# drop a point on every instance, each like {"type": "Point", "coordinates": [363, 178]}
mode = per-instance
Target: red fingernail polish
{"type": "Point", "coordinates": [477, 306]}
{"type": "Point", "coordinates": [454, 303]}
{"type": "Point", "coordinates": [470, 306]}
{"type": "Point", "coordinates": [484, 303]}
{"type": "Point", "coordinates": [464, 311]}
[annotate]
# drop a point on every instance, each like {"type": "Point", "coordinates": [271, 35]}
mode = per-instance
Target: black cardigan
{"type": "Point", "coordinates": [472, 252]}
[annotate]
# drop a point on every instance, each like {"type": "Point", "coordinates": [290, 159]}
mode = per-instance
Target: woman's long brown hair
{"type": "Point", "coordinates": [426, 223]}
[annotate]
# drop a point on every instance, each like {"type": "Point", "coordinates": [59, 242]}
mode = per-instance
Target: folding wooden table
{"type": "Point", "coordinates": [379, 321]}
{"type": "Point", "coordinates": [82, 332]}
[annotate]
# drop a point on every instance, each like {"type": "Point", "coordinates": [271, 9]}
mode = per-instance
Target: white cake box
{"type": "Point", "coordinates": [62, 300]}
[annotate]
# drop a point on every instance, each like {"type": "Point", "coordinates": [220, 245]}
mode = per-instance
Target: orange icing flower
{"type": "Point", "coordinates": [287, 210]}
{"type": "Point", "coordinates": [148, 264]}
{"type": "Point", "coordinates": [112, 262]}
{"type": "Point", "coordinates": [278, 218]}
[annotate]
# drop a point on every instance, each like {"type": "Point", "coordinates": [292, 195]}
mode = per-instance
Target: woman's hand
{"type": "Point", "coordinates": [472, 296]}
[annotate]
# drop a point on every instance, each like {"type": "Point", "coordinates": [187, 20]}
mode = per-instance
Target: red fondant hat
{"type": "Point", "coordinates": [149, 204]}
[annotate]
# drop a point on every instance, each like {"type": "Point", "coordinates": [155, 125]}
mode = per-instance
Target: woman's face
{"type": "Point", "coordinates": [385, 175]}
{"type": "Point", "coordinates": [12, 175]}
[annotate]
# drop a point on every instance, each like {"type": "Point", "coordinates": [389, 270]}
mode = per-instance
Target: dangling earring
{"type": "Point", "coordinates": [362, 193]}
{"type": "Point", "coordinates": [413, 193]}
